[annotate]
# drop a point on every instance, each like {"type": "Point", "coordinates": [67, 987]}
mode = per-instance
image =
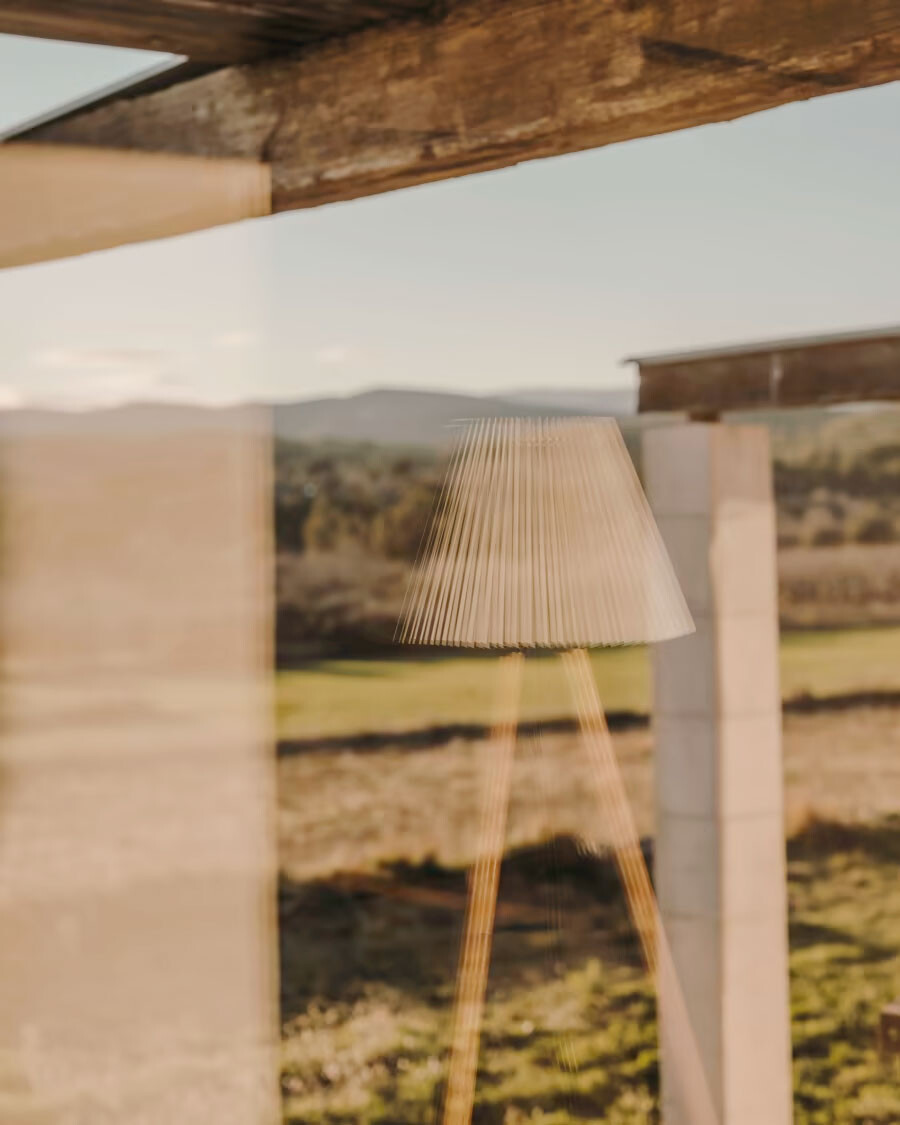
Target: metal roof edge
{"type": "Point", "coordinates": [761, 347]}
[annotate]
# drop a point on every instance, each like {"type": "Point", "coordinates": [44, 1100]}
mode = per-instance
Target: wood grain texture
{"type": "Point", "coordinates": [212, 31]}
{"type": "Point", "coordinates": [863, 371]}
{"type": "Point", "coordinates": [496, 82]}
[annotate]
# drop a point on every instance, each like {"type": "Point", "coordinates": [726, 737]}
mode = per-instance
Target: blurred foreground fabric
{"type": "Point", "coordinates": [137, 863]}
{"type": "Point", "coordinates": [56, 201]}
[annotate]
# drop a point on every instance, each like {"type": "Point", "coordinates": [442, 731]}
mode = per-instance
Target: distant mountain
{"type": "Point", "coordinates": [135, 419]}
{"type": "Point", "coordinates": [387, 416]}
{"type": "Point", "coordinates": [617, 402]}
{"type": "Point", "coordinates": [402, 417]}
{"type": "Point", "coordinates": [412, 417]}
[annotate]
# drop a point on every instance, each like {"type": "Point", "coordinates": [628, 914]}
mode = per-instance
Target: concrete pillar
{"type": "Point", "coordinates": [720, 853]}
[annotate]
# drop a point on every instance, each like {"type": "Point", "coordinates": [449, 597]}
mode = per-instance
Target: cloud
{"type": "Point", "coordinates": [84, 377]}
{"type": "Point", "coordinates": [85, 359]}
{"type": "Point", "coordinates": [239, 338]}
{"type": "Point", "coordinates": [10, 398]}
{"type": "Point", "coordinates": [333, 355]}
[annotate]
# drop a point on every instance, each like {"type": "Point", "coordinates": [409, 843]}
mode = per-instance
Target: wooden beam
{"type": "Point", "coordinates": [865, 370]}
{"type": "Point", "coordinates": [496, 82]}
{"type": "Point", "coordinates": [214, 31]}
{"type": "Point", "coordinates": [57, 202]}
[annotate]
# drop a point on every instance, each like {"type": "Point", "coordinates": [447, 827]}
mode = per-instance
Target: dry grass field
{"type": "Point", "coordinates": [376, 833]}
{"type": "Point", "coordinates": [840, 585]}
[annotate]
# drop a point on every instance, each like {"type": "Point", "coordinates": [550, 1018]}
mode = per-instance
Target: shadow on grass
{"type": "Point", "coordinates": [427, 738]}
{"type": "Point", "coordinates": [402, 926]}
{"type": "Point", "coordinates": [558, 904]}
{"type": "Point", "coordinates": [821, 837]}
{"type": "Point", "coordinates": [564, 914]}
{"type": "Point", "coordinates": [439, 734]}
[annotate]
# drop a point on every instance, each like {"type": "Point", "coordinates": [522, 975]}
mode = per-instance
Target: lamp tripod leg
{"type": "Point", "coordinates": [680, 1046]}
{"type": "Point", "coordinates": [614, 802]}
{"type": "Point", "coordinates": [475, 954]}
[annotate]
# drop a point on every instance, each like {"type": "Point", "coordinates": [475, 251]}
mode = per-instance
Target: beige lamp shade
{"type": "Point", "coordinates": [542, 537]}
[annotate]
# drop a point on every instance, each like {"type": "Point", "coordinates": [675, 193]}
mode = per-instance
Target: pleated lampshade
{"type": "Point", "coordinates": [542, 537]}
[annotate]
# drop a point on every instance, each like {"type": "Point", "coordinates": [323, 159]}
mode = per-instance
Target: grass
{"type": "Point", "coordinates": [840, 661]}
{"type": "Point", "coordinates": [348, 696]}
{"type": "Point", "coordinates": [845, 964]}
{"type": "Point", "coordinates": [570, 1027]}
{"type": "Point", "coordinates": [570, 1031]}
{"type": "Point", "coordinates": [568, 1034]}
{"type": "Point", "coordinates": [337, 697]}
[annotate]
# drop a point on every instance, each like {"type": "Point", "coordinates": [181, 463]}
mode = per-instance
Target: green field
{"type": "Point", "coordinates": [335, 697]}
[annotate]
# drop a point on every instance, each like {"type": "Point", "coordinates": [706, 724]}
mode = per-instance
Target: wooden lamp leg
{"type": "Point", "coordinates": [614, 802]}
{"type": "Point", "coordinates": [475, 954]}
{"type": "Point", "coordinates": [681, 1046]}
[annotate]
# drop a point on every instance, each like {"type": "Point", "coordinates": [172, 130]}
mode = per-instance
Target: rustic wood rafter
{"type": "Point", "coordinates": [495, 82]}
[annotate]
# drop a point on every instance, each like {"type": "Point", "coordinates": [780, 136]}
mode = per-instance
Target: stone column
{"type": "Point", "coordinates": [720, 851]}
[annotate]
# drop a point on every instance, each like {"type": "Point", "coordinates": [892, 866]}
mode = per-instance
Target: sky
{"type": "Point", "coordinates": [546, 274]}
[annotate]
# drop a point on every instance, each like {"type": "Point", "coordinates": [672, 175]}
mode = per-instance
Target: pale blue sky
{"type": "Point", "coordinates": [782, 223]}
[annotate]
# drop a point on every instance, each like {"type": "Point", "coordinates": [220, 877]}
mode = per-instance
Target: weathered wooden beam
{"type": "Point", "coordinates": [861, 369]}
{"type": "Point", "coordinates": [495, 82]}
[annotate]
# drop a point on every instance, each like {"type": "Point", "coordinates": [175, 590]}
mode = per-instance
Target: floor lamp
{"type": "Point", "coordinates": [542, 538]}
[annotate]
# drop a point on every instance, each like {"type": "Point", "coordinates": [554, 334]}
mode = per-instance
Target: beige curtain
{"type": "Point", "coordinates": [137, 791]}
{"type": "Point", "coordinates": [57, 201]}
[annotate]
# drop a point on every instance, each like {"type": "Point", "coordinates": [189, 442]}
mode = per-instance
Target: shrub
{"type": "Point", "coordinates": [828, 537]}
{"type": "Point", "coordinates": [397, 531]}
{"type": "Point", "coordinates": [876, 529]}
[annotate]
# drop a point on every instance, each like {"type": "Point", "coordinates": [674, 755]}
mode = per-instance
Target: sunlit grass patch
{"type": "Point", "coordinates": [570, 1026]}
{"type": "Point", "coordinates": [333, 697]}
